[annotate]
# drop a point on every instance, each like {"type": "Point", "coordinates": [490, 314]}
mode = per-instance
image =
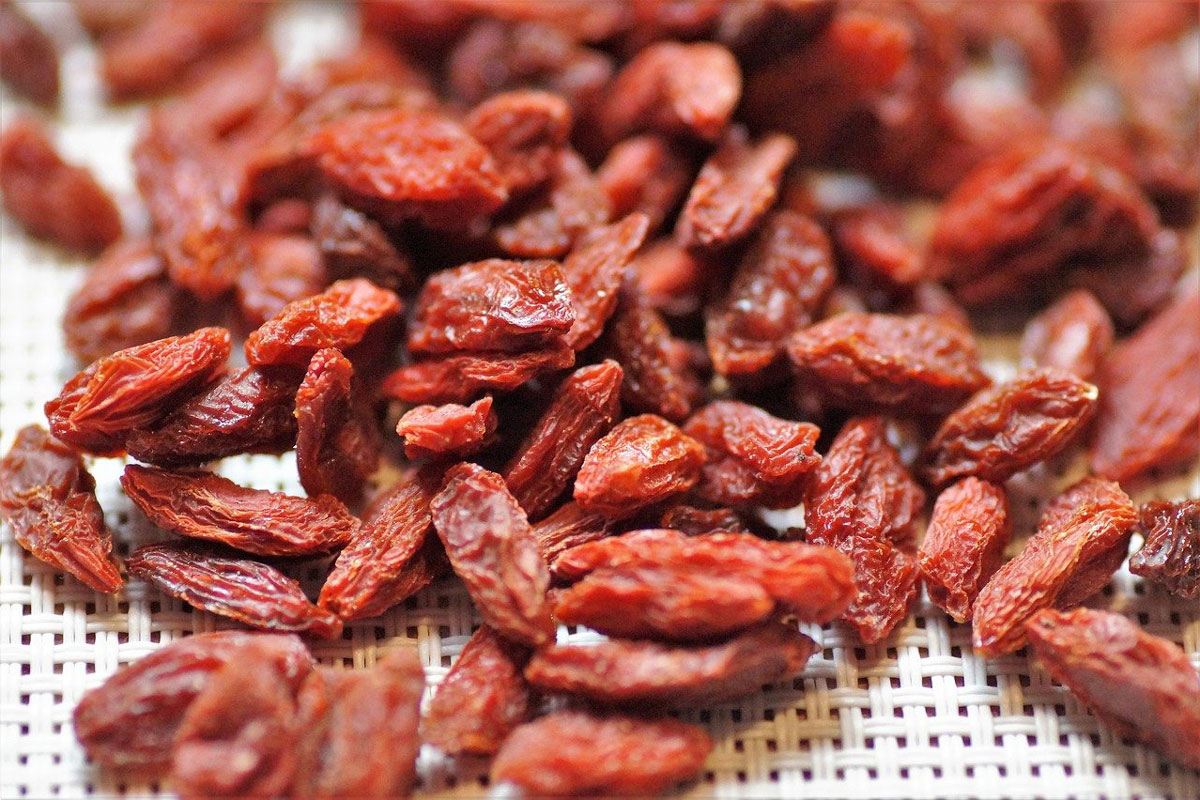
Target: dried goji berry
{"type": "Point", "coordinates": [862, 501]}
{"type": "Point", "coordinates": [186, 185]}
{"type": "Point", "coordinates": [338, 317]}
{"type": "Point", "coordinates": [240, 736]}
{"type": "Point", "coordinates": [492, 305]}
{"type": "Point", "coordinates": [583, 408]}
{"type": "Point", "coordinates": [125, 300]}
{"type": "Point", "coordinates": [134, 388]}
{"type": "Point", "coordinates": [247, 411]}
{"type": "Point", "coordinates": [401, 164]}
{"type": "Point", "coordinates": [1081, 540]}
{"type": "Point", "coordinates": [569, 526]}
{"type": "Point", "coordinates": [641, 674]}
{"type": "Point", "coordinates": [384, 563]}
{"type": "Point", "coordinates": [353, 244]}
{"type": "Point", "coordinates": [28, 60]}
{"type": "Point", "coordinates": [964, 544]}
{"type": "Point", "coordinates": [252, 593]}
{"type": "Point", "coordinates": [337, 441]}
{"type": "Point", "coordinates": [482, 698]}
{"type": "Point", "coordinates": [131, 719]}
{"type": "Point", "coordinates": [910, 365]}
{"type": "Point", "coordinates": [447, 430]}
{"type": "Point", "coordinates": [231, 88]}
{"type": "Point", "coordinates": [1020, 216]}
{"type": "Point", "coordinates": [1144, 686]}
{"type": "Point", "coordinates": [645, 174]}
{"type": "Point", "coordinates": [752, 457]}
{"type": "Point", "coordinates": [1170, 556]}
{"type": "Point", "coordinates": [1149, 403]}
{"type": "Point", "coordinates": [524, 130]}
{"type": "Point", "coordinates": [734, 190]}
{"type": "Point", "coordinates": [50, 198]}
{"type": "Point", "coordinates": [674, 89]}
{"type": "Point", "coordinates": [282, 268]}
{"type": "Point", "coordinates": [459, 378]}
{"type": "Point", "coordinates": [573, 753]}
{"type": "Point", "coordinates": [492, 548]}
{"type": "Point", "coordinates": [641, 461]}
{"type": "Point", "coordinates": [202, 505]}
{"type": "Point", "coordinates": [778, 289]}
{"type": "Point", "coordinates": [695, 521]}
{"type": "Point", "coordinates": [153, 53]}
{"type": "Point", "coordinates": [1133, 288]}
{"type": "Point", "coordinates": [594, 270]}
{"type": "Point", "coordinates": [670, 279]}
{"type": "Point", "coordinates": [48, 499]}
{"type": "Point", "coordinates": [358, 729]}
{"type": "Point", "coordinates": [1074, 335]}
{"type": "Point", "coordinates": [658, 376]}
{"type": "Point", "coordinates": [873, 245]}
{"type": "Point", "coordinates": [1011, 426]}
{"type": "Point", "coordinates": [546, 224]}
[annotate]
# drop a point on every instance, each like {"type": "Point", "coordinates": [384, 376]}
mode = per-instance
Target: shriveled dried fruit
{"type": "Point", "coordinates": [202, 505]}
{"type": "Point", "coordinates": [862, 501]}
{"type": "Point", "coordinates": [492, 305]}
{"type": "Point", "coordinates": [50, 198]}
{"type": "Point", "coordinates": [1022, 215]}
{"type": "Point", "coordinates": [658, 376]}
{"type": "Point", "coordinates": [239, 736]}
{"type": "Point", "coordinates": [594, 270]}
{"type": "Point", "coordinates": [643, 674]}
{"type": "Point", "coordinates": [482, 698]}
{"type": "Point", "coordinates": [250, 592]}
{"type": "Point", "coordinates": [674, 89]}
{"type": "Point", "coordinates": [1171, 553]}
{"type": "Point", "coordinates": [670, 279]}
{"type": "Point", "coordinates": [167, 38]}
{"type": "Point", "coordinates": [569, 753]}
{"type": "Point", "coordinates": [813, 583]}
{"type": "Point", "coordinates": [584, 406]}
{"type": "Point", "coordinates": [247, 411]}
{"type": "Point", "coordinates": [872, 243]}
{"type": "Point", "coordinates": [1081, 540]}
{"type": "Point", "coordinates": [695, 521]}
{"type": "Point", "coordinates": [646, 175]}
{"type": "Point", "coordinates": [734, 190]}
{"type": "Point", "coordinates": [124, 301]}
{"type": "Point", "coordinates": [28, 60]}
{"type": "Point", "coordinates": [1074, 335]}
{"type": "Point", "coordinates": [461, 377]}
{"type": "Point", "coordinates": [523, 130]}
{"type": "Point", "coordinates": [1144, 686]}
{"type": "Point", "coordinates": [134, 388]}
{"type": "Point", "coordinates": [918, 364]}
{"type": "Point", "coordinates": [752, 457]}
{"type": "Point", "coordinates": [337, 441]}
{"type": "Point", "coordinates": [384, 561]}
{"type": "Point", "coordinates": [547, 223]}
{"type": "Point", "coordinates": [48, 499]}
{"type": "Point", "coordinates": [492, 548]}
{"type": "Point", "coordinates": [353, 244]}
{"type": "Point", "coordinates": [1135, 287]}
{"type": "Point", "coordinates": [1008, 427]}
{"type": "Point", "coordinates": [282, 268]}
{"type": "Point", "coordinates": [339, 317]}
{"type": "Point", "coordinates": [184, 179]}
{"type": "Point", "coordinates": [641, 461]}
{"type": "Point", "coordinates": [402, 164]}
{"type": "Point", "coordinates": [447, 430]}
{"type": "Point", "coordinates": [359, 730]}
{"type": "Point", "coordinates": [1149, 403]}
{"type": "Point", "coordinates": [130, 720]}
{"type": "Point", "coordinates": [777, 290]}
{"type": "Point", "coordinates": [231, 88]}
{"type": "Point", "coordinates": [567, 527]}
{"type": "Point", "coordinates": [964, 544]}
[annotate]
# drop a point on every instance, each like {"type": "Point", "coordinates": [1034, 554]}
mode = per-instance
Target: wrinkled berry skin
{"type": "Point", "coordinates": [1171, 553]}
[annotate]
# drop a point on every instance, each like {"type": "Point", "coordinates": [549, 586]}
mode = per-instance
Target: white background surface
{"type": "Point", "coordinates": [918, 715]}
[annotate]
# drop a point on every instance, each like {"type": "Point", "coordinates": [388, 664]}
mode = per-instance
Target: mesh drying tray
{"type": "Point", "coordinates": [919, 715]}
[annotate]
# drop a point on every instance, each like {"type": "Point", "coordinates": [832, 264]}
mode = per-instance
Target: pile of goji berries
{"type": "Point", "coordinates": [589, 262]}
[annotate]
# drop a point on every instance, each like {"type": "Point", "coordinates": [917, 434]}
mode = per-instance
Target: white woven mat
{"type": "Point", "coordinates": [916, 716]}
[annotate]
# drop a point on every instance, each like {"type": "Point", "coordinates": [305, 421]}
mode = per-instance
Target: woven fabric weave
{"type": "Point", "coordinates": [919, 715]}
